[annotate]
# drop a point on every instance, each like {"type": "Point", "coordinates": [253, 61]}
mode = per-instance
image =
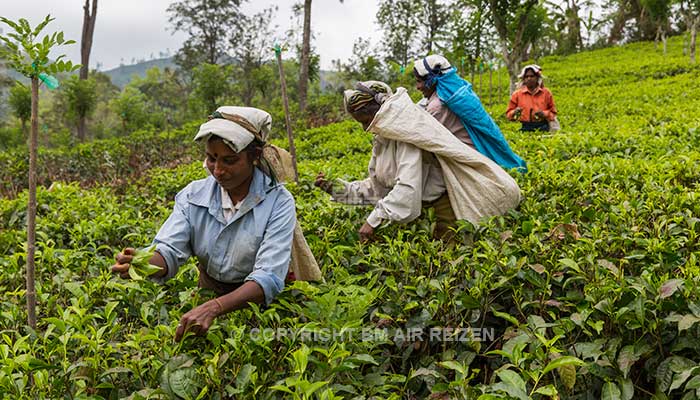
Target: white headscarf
{"type": "Point", "coordinates": [435, 62]}
{"type": "Point", "coordinates": [237, 126]}
{"type": "Point", "coordinates": [536, 69]}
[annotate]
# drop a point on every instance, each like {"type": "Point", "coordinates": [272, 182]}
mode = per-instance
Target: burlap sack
{"type": "Point", "coordinates": [477, 187]}
{"type": "Point", "coordinates": [303, 263]}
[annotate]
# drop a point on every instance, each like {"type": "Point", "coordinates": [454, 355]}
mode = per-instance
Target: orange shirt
{"type": "Point", "coordinates": [541, 100]}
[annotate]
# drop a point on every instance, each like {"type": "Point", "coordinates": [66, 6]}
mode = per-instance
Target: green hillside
{"type": "Point", "coordinates": [590, 289]}
{"type": "Point", "coordinates": [123, 74]}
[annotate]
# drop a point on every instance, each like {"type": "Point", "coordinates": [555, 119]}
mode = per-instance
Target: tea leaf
{"type": "Point", "coordinates": [610, 391]}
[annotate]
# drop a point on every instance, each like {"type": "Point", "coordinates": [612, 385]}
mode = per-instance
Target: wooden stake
{"type": "Point", "coordinates": [31, 207]}
{"type": "Point", "coordinates": [288, 120]}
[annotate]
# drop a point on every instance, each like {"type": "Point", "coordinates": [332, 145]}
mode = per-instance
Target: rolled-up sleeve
{"type": "Point", "coordinates": [403, 203]}
{"type": "Point", "coordinates": [272, 259]}
{"type": "Point", "coordinates": [173, 238]}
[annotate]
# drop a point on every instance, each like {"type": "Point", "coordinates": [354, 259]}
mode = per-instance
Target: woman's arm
{"type": "Point", "coordinates": [173, 240]}
{"type": "Point", "coordinates": [404, 202]}
{"type": "Point", "coordinates": [199, 319]}
{"type": "Point", "coordinates": [273, 256]}
{"type": "Point", "coordinates": [513, 108]}
{"type": "Point", "coordinates": [266, 280]}
{"type": "Point", "coordinates": [550, 110]}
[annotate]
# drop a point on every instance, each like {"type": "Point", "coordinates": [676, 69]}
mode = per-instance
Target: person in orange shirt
{"type": "Point", "coordinates": [532, 103]}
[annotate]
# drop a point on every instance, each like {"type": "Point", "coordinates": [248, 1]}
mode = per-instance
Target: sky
{"type": "Point", "coordinates": [128, 30]}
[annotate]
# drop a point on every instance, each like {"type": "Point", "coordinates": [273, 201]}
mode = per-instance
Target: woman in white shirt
{"type": "Point", "coordinates": [402, 178]}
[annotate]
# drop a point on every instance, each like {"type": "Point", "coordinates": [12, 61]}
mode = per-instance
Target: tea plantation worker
{"type": "Point", "coordinates": [532, 104]}
{"type": "Point", "coordinates": [240, 222]}
{"type": "Point", "coordinates": [416, 162]}
{"type": "Point", "coordinates": [451, 100]}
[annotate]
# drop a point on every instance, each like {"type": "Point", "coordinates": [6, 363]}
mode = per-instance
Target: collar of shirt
{"type": "Point", "coordinates": [524, 89]}
{"type": "Point", "coordinates": [227, 206]}
{"type": "Point", "coordinates": [209, 196]}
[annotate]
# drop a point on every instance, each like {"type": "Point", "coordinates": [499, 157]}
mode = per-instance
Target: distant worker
{"type": "Point", "coordinates": [532, 103]}
{"type": "Point", "coordinates": [417, 163]}
{"type": "Point", "coordinates": [451, 100]}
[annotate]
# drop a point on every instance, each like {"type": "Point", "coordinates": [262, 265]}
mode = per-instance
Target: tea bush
{"type": "Point", "coordinates": [589, 289]}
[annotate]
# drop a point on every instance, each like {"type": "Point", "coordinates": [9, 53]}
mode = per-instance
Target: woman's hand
{"type": "Point", "coordinates": [516, 114]}
{"type": "Point", "coordinates": [323, 183]}
{"type": "Point", "coordinates": [123, 262]}
{"type": "Point", "coordinates": [198, 320]}
{"type": "Point", "coordinates": [366, 232]}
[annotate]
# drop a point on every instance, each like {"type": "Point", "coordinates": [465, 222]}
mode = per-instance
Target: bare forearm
{"type": "Point", "coordinates": [158, 260]}
{"type": "Point", "coordinates": [249, 292]}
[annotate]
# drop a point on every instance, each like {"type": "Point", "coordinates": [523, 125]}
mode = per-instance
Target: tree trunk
{"type": "Point", "coordinates": [86, 41]}
{"type": "Point", "coordinates": [81, 129]}
{"type": "Point", "coordinates": [664, 41]}
{"type": "Point", "coordinates": [693, 37]}
{"type": "Point", "coordinates": [621, 18]}
{"type": "Point", "coordinates": [31, 206]}
{"type": "Point", "coordinates": [517, 44]}
{"type": "Point", "coordinates": [305, 56]}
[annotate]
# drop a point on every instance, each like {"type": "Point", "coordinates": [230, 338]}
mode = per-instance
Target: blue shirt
{"type": "Point", "coordinates": [255, 245]}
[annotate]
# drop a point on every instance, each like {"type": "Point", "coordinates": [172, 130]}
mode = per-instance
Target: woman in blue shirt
{"type": "Point", "coordinates": [238, 222]}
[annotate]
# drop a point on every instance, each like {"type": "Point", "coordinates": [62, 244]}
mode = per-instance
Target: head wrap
{"type": "Point", "coordinates": [237, 126]}
{"type": "Point", "coordinates": [430, 67]}
{"type": "Point", "coordinates": [364, 93]}
{"type": "Point", "coordinates": [534, 68]}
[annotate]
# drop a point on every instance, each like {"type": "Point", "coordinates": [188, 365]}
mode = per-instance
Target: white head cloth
{"type": "Point", "coordinates": [238, 127]}
{"type": "Point", "coordinates": [434, 61]}
{"type": "Point", "coordinates": [534, 67]}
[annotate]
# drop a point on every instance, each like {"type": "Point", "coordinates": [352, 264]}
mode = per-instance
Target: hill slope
{"type": "Point", "coordinates": [122, 75]}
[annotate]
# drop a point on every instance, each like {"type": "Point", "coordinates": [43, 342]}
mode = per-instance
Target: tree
{"type": "Point", "coordinates": [132, 108]}
{"type": "Point", "coordinates": [306, 62]}
{"type": "Point", "coordinates": [79, 97]}
{"type": "Point", "coordinates": [399, 21]}
{"type": "Point", "coordinates": [166, 94]}
{"type": "Point", "coordinates": [210, 84]}
{"type": "Point", "coordinates": [469, 33]}
{"type": "Point", "coordinates": [363, 63]}
{"type": "Point", "coordinates": [690, 9]}
{"type": "Point", "coordinates": [210, 24]}
{"type": "Point", "coordinates": [567, 25]}
{"type": "Point", "coordinates": [89, 16]}
{"type": "Point", "coordinates": [252, 51]}
{"type": "Point", "coordinates": [434, 22]}
{"type": "Point", "coordinates": [517, 29]}
{"type": "Point", "coordinates": [305, 53]}
{"type": "Point", "coordinates": [623, 11]}
{"type": "Point", "coordinates": [30, 57]}
{"type": "Point", "coordinates": [659, 12]}
{"type": "Point", "coordinates": [20, 101]}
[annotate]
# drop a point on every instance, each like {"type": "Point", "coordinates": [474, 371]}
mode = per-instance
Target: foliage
{"type": "Point", "coordinates": [78, 98]}
{"type": "Point", "coordinates": [20, 101]}
{"type": "Point", "coordinates": [112, 161]}
{"type": "Point", "coordinates": [165, 94]}
{"type": "Point", "coordinates": [132, 108]}
{"type": "Point", "coordinates": [208, 24]}
{"type": "Point", "coordinates": [210, 84]}
{"type": "Point", "coordinates": [398, 19]}
{"type": "Point", "coordinates": [589, 289]}
{"type": "Point", "coordinates": [252, 51]}
{"type": "Point", "coordinates": [31, 58]}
